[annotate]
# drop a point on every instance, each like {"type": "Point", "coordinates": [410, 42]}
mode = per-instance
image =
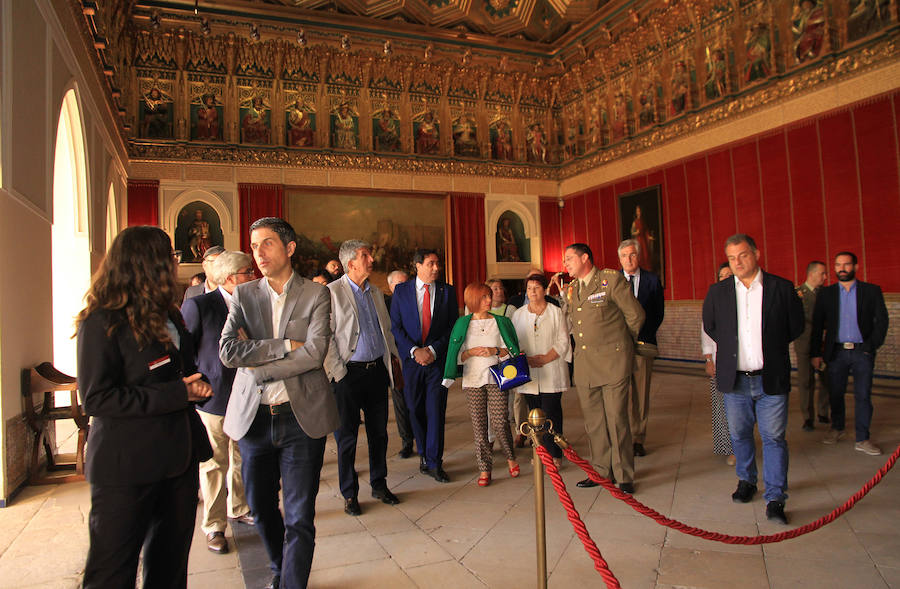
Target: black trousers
{"type": "Point", "coordinates": [551, 403]}
{"type": "Point", "coordinates": [401, 414]}
{"type": "Point", "coordinates": [364, 388]}
{"type": "Point", "coordinates": [158, 517]}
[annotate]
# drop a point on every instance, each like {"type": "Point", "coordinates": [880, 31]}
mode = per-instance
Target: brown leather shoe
{"type": "Point", "coordinates": [216, 542]}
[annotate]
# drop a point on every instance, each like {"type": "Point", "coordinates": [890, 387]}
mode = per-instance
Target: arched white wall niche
{"type": "Point", "coordinates": [527, 210]}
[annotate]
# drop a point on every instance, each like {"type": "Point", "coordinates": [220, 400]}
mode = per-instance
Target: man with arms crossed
{"type": "Point", "coordinates": [648, 291]}
{"type": "Point", "coordinates": [753, 318]}
{"type": "Point", "coordinates": [359, 362]}
{"type": "Point", "coordinates": [605, 319]}
{"type": "Point", "coordinates": [854, 318]}
{"type": "Point", "coordinates": [281, 406]}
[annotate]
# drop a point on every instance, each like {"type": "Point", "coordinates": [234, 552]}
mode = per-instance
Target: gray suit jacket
{"type": "Point", "coordinates": [345, 328]}
{"type": "Point", "coordinates": [194, 291]}
{"type": "Point", "coordinates": [263, 359]}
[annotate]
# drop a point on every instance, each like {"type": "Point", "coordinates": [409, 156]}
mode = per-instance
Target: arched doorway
{"type": "Point", "coordinates": [71, 262]}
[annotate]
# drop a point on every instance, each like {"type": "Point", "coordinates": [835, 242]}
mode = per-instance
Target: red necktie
{"type": "Point", "coordinates": [426, 313]}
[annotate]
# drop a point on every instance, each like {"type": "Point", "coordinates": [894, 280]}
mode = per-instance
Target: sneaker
{"type": "Point", "coordinates": [868, 447]}
{"type": "Point", "coordinates": [833, 436]}
{"type": "Point", "coordinates": [744, 493]}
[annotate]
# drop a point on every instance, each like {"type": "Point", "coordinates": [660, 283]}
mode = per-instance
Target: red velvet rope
{"type": "Point", "coordinates": [698, 532]}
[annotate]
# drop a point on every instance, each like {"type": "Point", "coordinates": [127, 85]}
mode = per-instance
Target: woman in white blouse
{"type": "Point", "coordinates": [721, 436]}
{"type": "Point", "coordinates": [544, 337]}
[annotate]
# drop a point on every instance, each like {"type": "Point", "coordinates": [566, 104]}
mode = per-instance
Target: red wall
{"type": "Point", "coordinates": [803, 192]}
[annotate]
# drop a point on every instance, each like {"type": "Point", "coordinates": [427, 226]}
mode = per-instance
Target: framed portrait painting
{"type": "Point", "coordinates": [640, 218]}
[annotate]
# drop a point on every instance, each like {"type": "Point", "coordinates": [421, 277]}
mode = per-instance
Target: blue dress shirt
{"type": "Point", "coordinates": [848, 328]}
{"type": "Point", "coordinates": [370, 345]}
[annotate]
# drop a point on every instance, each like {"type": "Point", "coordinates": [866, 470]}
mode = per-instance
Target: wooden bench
{"type": "Point", "coordinates": [45, 380]}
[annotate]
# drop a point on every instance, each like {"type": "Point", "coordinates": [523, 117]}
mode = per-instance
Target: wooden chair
{"type": "Point", "coordinates": [46, 380]}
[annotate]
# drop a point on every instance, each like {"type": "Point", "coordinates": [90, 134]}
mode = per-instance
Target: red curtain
{"type": "Point", "coordinates": [468, 256]}
{"type": "Point", "coordinates": [258, 200]}
{"type": "Point", "coordinates": [551, 235]}
{"type": "Point", "coordinates": [143, 202]}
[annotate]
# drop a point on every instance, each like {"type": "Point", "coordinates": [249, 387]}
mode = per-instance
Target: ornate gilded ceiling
{"type": "Point", "coordinates": [461, 85]}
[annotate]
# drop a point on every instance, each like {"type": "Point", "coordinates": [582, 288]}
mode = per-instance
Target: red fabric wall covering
{"type": "Point", "coordinates": [806, 190]}
{"type": "Point", "coordinates": [593, 218]}
{"type": "Point", "coordinates": [257, 201]}
{"type": "Point", "coordinates": [700, 228]}
{"type": "Point", "coordinates": [876, 145]}
{"type": "Point", "coordinates": [551, 235]}
{"type": "Point", "coordinates": [467, 230]}
{"type": "Point", "coordinates": [776, 193]}
{"type": "Point", "coordinates": [842, 210]}
{"type": "Point", "coordinates": [143, 202]}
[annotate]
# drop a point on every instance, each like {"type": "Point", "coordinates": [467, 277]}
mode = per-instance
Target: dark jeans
{"type": "Point", "coordinates": [427, 403]}
{"type": "Point", "coordinates": [362, 389]}
{"type": "Point", "coordinates": [157, 516]}
{"type": "Point", "coordinates": [551, 403]}
{"type": "Point", "coordinates": [861, 365]}
{"type": "Point", "coordinates": [276, 448]}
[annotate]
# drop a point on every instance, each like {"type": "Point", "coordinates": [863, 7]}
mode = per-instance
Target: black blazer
{"type": "Point", "coordinates": [205, 317]}
{"type": "Point", "coordinates": [144, 429]}
{"type": "Point", "coordinates": [782, 322]}
{"type": "Point", "coordinates": [407, 326]}
{"type": "Point", "coordinates": [650, 296]}
{"type": "Point", "coordinates": [871, 317]}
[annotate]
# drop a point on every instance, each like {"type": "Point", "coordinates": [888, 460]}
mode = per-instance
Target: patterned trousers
{"type": "Point", "coordinates": [484, 400]}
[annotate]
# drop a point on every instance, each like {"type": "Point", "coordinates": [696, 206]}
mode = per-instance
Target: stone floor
{"type": "Point", "coordinates": [459, 535]}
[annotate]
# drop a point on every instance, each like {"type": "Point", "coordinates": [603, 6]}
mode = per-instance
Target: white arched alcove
{"type": "Point", "coordinates": [170, 219]}
{"type": "Point", "coordinates": [494, 209]}
{"type": "Point", "coordinates": [71, 259]}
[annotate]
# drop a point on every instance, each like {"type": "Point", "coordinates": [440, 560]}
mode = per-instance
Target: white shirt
{"type": "Point", "coordinates": [635, 280]}
{"type": "Point", "coordinates": [538, 334]}
{"type": "Point", "coordinates": [420, 298]}
{"type": "Point", "coordinates": [225, 295]}
{"type": "Point", "coordinates": [749, 312]}
{"type": "Point", "coordinates": [275, 393]}
{"type": "Point", "coordinates": [707, 344]}
{"type": "Point", "coordinates": [481, 332]}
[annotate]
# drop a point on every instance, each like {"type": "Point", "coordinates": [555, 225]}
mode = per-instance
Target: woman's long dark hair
{"type": "Point", "coordinates": [137, 276]}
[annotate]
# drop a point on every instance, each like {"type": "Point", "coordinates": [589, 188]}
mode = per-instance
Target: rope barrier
{"type": "Point", "coordinates": [701, 533]}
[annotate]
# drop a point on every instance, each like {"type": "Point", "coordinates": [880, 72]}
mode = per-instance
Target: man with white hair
{"type": "Point", "coordinates": [359, 364]}
{"type": "Point", "coordinates": [401, 411]}
{"type": "Point", "coordinates": [220, 476]}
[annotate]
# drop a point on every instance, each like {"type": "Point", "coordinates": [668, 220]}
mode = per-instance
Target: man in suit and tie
{"type": "Point", "coordinates": [753, 318]}
{"type": "Point", "coordinates": [423, 312]}
{"type": "Point", "coordinates": [220, 476]}
{"type": "Point", "coordinates": [810, 405]}
{"type": "Point", "coordinates": [647, 289]}
{"type": "Point", "coordinates": [281, 406]}
{"type": "Point", "coordinates": [605, 319]}
{"type": "Point", "coordinates": [208, 285]}
{"type": "Point", "coordinates": [854, 318]}
{"type": "Point", "coordinates": [359, 362]}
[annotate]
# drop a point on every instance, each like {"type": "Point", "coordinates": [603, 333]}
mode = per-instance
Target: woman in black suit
{"type": "Point", "coordinates": [138, 381]}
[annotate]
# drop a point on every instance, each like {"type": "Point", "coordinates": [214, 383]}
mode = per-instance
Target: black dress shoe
{"type": "Point", "coordinates": [824, 419]}
{"type": "Point", "coordinates": [639, 449]}
{"type": "Point", "coordinates": [744, 492]}
{"type": "Point", "coordinates": [423, 468]}
{"type": "Point", "coordinates": [351, 507]}
{"type": "Point", "coordinates": [385, 496]}
{"type": "Point", "coordinates": [808, 425]}
{"type": "Point", "coordinates": [775, 512]}
{"type": "Point", "coordinates": [627, 488]}
{"type": "Point", "coordinates": [406, 451]}
{"type": "Point", "coordinates": [438, 474]}
{"type": "Point", "coordinates": [275, 583]}
{"type": "Point", "coordinates": [587, 484]}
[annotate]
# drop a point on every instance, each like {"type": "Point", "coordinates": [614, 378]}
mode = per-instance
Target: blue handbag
{"type": "Point", "coordinates": [512, 372]}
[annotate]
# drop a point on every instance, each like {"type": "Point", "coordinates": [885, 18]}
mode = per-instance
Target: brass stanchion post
{"type": "Point", "coordinates": [536, 425]}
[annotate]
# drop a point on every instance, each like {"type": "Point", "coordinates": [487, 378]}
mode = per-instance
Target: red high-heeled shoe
{"type": "Point", "coordinates": [514, 471]}
{"type": "Point", "coordinates": [484, 480]}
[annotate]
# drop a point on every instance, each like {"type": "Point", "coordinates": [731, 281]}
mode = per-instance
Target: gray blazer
{"type": "Point", "coordinates": [263, 359]}
{"type": "Point", "coordinates": [345, 328]}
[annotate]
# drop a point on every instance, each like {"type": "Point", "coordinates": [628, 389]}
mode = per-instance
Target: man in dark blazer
{"type": "Point", "coordinates": [854, 318]}
{"type": "Point", "coordinates": [220, 477]}
{"type": "Point", "coordinates": [423, 312]}
{"type": "Point", "coordinates": [281, 406]}
{"type": "Point", "coordinates": [208, 285]}
{"type": "Point", "coordinates": [753, 318]}
{"type": "Point", "coordinates": [648, 290]}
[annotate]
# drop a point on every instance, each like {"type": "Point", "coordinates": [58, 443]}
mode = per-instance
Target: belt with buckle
{"type": "Point", "coordinates": [849, 345]}
{"type": "Point", "coordinates": [363, 365]}
{"type": "Point", "coordinates": [749, 372]}
{"type": "Point", "coordinates": [280, 408]}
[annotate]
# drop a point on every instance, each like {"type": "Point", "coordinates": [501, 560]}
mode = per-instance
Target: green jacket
{"type": "Point", "coordinates": [507, 333]}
